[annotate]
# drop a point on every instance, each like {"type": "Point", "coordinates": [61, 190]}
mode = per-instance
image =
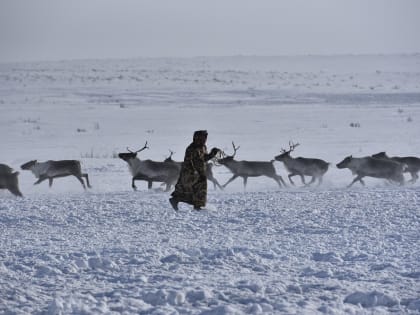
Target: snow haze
{"type": "Point", "coordinates": [45, 30]}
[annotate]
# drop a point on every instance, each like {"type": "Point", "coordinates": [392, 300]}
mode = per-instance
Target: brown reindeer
{"type": "Point", "coordinates": [302, 166]}
{"type": "Point", "coordinates": [150, 171]}
{"type": "Point", "coordinates": [54, 169]}
{"type": "Point", "coordinates": [412, 162]}
{"type": "Point", "coordinates": [247, 169]}
{"type": "Point", "coordinates": [372, 167]}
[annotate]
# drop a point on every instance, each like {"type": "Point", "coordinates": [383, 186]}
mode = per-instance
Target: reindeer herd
{"type": "Point", "coordinates": [167, 172]}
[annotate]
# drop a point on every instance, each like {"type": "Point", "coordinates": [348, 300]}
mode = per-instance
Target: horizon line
{"type": "Point", "coordinates": [208, 56]}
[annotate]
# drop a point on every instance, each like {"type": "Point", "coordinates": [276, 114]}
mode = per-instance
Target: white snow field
{"type": "Point", "coordinates": [266, 250]}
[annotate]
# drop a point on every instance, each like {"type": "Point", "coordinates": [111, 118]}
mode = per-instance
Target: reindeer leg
{"type": "Point", "coordinates": [81, 181]}
{"type": "Point", "coordinates": [168, 187]}
{"type": "Point", "coordinates": [400, 179]}
{"type": "Point", "coordinates": [40, 179]}
{"type": "Point", "coordinates": [133, 185]}
{"type": "Point", "coordinates": [216, 184]}
{"type": "Point", "coordinates": [149, 184]}
{"type": "Point", "coordinates": [319, 180]}
{"type": "Point", "coordinates": [358, 178]}
{"type": "Point", "coordinates": [212, 179]}
{"type": "Point", "coordinates": [231, 179]}
{"type": "Point", "coordinates": [279, 180]}
{"type": "Point", "coordinates": [290, 178]}
{"type": "Point", "coordinates": [15, 191]}
{"type": "Point", "coordinates": [50, 181]}
{"type": "Point", "coordinates": [353, 181]}
{"type": "Point", "coordinates": [245, 182]}
{"type": "Point", "coordinates": [85, 175]}
{"type": "Point", "coordinates": [414, 177]}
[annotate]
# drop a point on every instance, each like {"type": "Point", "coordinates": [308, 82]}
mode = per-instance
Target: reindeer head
{"type": "Point", "coordinates": [131, 154]}
{"type": "Point", "coordinates": [227, 158]}
{"type": "Point", "coordinates": [28, 165]}
{"type": "Point", "coordinates": [286, 153]}
{"type": "Point", "coordinates": [344, 163]}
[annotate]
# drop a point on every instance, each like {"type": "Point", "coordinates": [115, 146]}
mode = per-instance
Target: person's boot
{"type": "Point", "coordinates": [174, 203]}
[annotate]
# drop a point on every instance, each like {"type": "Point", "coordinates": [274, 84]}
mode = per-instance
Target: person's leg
{"type": "Point", "coordinates": [199, 196]}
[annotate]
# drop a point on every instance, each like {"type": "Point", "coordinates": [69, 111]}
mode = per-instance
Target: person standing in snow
{"type": "Point", "coordinates": [191, 187]}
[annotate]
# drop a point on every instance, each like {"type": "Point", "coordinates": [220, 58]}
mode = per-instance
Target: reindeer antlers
{"type": "Point", "coordinates": [223, 154]}
{"type": "Point", "coordinates": [170, 156]}
{"type": "Point", "coordinates": [234, 149]}
{"type": "Point", "coordinates": [292, 146]}
{"type": "Point", "coordinates": [145, 147]}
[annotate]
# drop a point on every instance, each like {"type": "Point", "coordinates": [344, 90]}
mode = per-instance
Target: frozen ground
{"type": "Point", "coordinates": [325, 250]}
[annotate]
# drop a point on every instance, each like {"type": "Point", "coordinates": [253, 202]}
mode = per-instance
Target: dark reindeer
{"type": "Point", "coordinates": [209, 171]}
{"type": "Point", "coordinates": [9, 180]}
{"type": "Point", "coordinates": [302, 166]}
{"type": "Point", "coordinates": [150, 171]}
{"type": "Point", "coordinates": [247, 169]}
{"type": "Point", "coordinates": [54, 169]}
{"type": "Point", "coordinates": [412, 162]}
{"type": "Point", "coordinates": [372, 167]}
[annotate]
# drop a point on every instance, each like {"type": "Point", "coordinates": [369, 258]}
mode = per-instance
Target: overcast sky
{"type": "Point", "coordinates": [74, 29]}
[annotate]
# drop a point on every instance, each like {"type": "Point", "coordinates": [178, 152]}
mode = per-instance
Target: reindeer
{"type": "Point", "coordinates": [150, 171]}
{"type": "Point", "coordinates": [9, 180]}
{"type": "Point", "coordinates": [369, 166]}
{"type": "Point", "coordinates": [302, 166]}
{"type": "Point", "coordinates": [412, 162]}
{"type": "Point", "coordinates": [209, 171]}
{"type": "Point", "coordinates": [247, 169]}
{"type": "Point", "coordinates": [54, 169]}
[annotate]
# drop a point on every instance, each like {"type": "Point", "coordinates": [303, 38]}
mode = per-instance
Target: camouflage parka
{"type": "Point", "coordinates": [192, 182]}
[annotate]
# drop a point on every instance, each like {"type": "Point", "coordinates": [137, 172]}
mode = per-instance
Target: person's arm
{"type": "Point", "coordinates": [212, 154]}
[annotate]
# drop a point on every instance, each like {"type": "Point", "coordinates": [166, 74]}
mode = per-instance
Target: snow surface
{"type": "Point", "coordinates": [109, 250]}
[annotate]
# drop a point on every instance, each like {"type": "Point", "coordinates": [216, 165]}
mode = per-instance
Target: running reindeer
{"type": "Point", "coordinates": [302, 166]}
{"type": "Point", "coordinates": [54, 169]}
{"type": "Point", "coordinates": [412, 162]}
{"type": "Point", "coordinates": [209, 171]}
{"type": "Point", "coordinates": [247, 169]}
{"type": "Point", "coordinates": [9, 180]}
{"type": "Point", "coordinates": [373, 167]}
{"type": "Point", "coordinates": [150, 171]}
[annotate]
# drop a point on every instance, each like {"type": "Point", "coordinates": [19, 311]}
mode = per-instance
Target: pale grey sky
{"type": "Point", "coordinates": [74, 29]}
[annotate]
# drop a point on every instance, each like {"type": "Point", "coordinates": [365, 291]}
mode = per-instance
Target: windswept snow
{"type": "Point", "coordinates": [109, 250]}
{"type": "Point", "coordinates": [284, 252]}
